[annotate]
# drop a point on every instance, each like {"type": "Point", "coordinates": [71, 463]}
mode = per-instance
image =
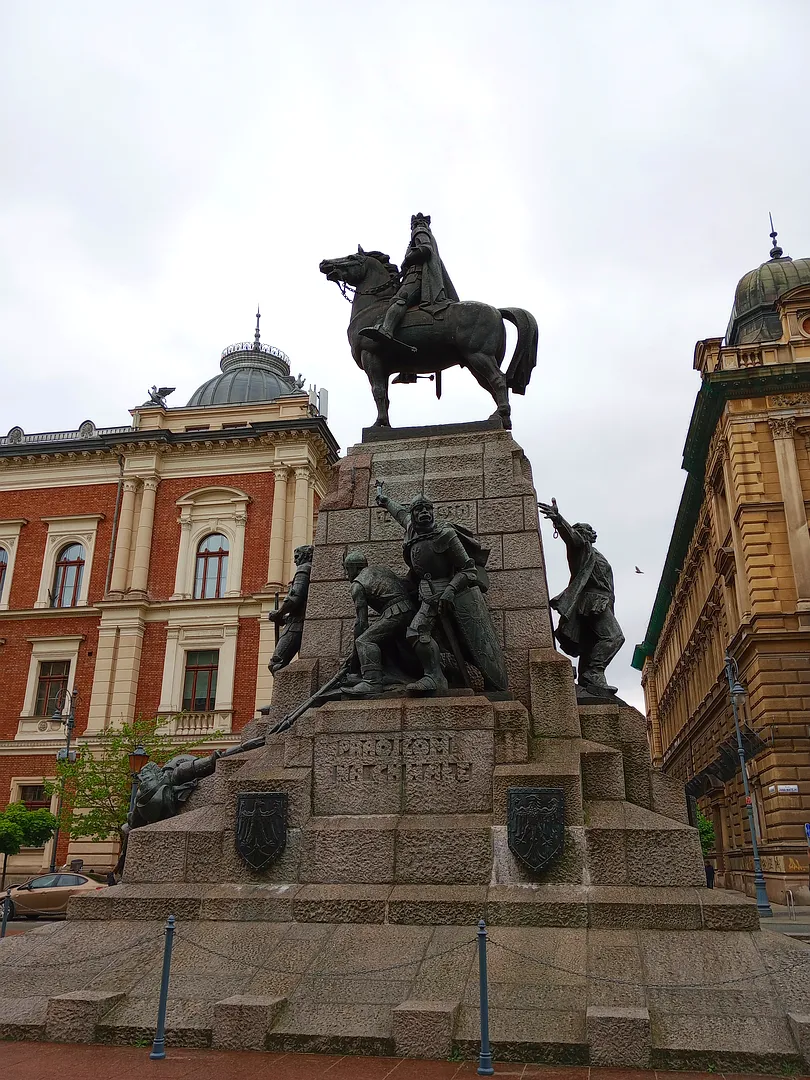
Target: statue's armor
{"type": "Point", "coordinates": [385, 593]}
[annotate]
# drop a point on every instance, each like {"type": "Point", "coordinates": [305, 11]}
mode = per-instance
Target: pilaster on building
{"type": "Point", "coordinates": [737, 580]}
{"type": "Point", "coordinates": [138, 565]}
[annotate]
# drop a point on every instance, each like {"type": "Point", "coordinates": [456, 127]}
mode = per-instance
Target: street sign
{"type": "Point", "coordinates": [807, 832]}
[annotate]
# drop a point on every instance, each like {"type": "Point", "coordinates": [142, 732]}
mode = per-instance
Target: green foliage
{"type": "Point", "coordinates": [706, 833]}
{"type": "Point", "coordinates": [97, 785]}
{"type": "Point", "coordinates": [11, 836]}
{"type": "Point", "coordinates": [37, 826]}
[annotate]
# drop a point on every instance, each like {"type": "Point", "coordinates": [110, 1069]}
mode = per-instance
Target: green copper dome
{"type": "Point", "coordinates": [754, 316]}
{"type": "Point", "coordinates": [250, 372]}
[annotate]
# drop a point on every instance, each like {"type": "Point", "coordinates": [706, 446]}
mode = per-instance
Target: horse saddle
{"type": "Point", "coordinates": [421, 315]}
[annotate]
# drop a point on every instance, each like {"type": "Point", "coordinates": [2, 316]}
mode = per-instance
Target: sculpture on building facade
{"type": "Point", "coordinates": [587, 627]}
{"type": "Point", "coordinates": [412, 323]}
{"type": "Point", "coordinates": [289, 617]}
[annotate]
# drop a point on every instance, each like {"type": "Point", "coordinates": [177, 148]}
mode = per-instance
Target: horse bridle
{"type": "Point", "coordinates": [350, 291]}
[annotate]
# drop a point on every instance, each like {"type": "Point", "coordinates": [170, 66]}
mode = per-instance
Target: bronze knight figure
{"type": "Point", "coordinates": [292, 611]}
{"type": "Point", "coordinates": [446, 565]}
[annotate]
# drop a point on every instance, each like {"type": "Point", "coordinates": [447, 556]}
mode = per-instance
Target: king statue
{"type": "Point", "coordinates": [425, 281]}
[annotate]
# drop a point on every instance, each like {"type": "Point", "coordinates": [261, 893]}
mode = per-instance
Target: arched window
{"type": "Point", "coordinates": [3, 568]}
{"type": "Point", "coordinates": [211, 572]}
{"type": "Point", "coordinates": [68, 577]}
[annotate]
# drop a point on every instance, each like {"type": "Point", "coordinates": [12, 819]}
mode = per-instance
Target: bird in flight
{"type": "Point", "coordinates": [639, 571]}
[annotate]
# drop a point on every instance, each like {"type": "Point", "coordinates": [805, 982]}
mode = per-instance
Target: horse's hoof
{"type": "Point", "coordinates": [381, 423]}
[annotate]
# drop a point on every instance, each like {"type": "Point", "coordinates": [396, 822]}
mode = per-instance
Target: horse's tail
{"type": "Point", "coordinates": [525, 356]}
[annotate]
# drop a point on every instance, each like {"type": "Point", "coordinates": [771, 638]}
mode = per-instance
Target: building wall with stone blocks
{"type": "Point", "coordinates": [139, 499]}
{"type": "Point", "coordinates": [743, 585]}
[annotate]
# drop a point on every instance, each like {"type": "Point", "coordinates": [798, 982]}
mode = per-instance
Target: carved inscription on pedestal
{"type": "Point", "coordinates": [393, 772]}
{"type": "Point", "coordinates": [397, 757]}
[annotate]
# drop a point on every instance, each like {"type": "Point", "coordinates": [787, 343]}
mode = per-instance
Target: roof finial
{"type": "Point", "coordinates": [776, 251]}
{"type": "Point", "coordinates": [256, 336]}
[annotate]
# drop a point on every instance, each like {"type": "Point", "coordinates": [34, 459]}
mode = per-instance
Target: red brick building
{"type": "Point", "coordinates": [138, 565]}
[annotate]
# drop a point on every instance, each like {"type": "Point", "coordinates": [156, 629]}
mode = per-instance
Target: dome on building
{"type": "Point", "coordinates": [250, 372]}
{"type": "Point", "coordinates": [754, 316]}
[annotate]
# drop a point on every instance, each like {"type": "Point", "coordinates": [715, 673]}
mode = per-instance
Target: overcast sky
{"type": "Point", "coordinates": [608, 165]}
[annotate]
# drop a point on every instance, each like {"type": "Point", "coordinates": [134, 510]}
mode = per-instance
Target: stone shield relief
{"type": "Point", "coordinates": [261, 827]}
{"type": "Point", "coordinates": [535, 825]}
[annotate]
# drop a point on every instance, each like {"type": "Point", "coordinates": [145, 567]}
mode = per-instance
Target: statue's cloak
{"type": "Point", "coordinates": [589, 592]}
{"type": "Point", "coordinates": [437, 287]}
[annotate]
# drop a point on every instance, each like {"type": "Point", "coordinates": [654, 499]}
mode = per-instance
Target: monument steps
{"type": "Point", "coordinates": [530, 904]}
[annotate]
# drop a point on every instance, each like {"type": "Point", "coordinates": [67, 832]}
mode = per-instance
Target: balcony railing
{"type": "Point", "coordinates": [197, 723]}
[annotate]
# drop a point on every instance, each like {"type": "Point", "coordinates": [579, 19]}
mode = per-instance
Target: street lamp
{"type": "Point", "coordinates": [737, 693]}
{"type": "Point", "coordinates": [64, 698]}
{"type": "Point", "coordinates": [137, 759]}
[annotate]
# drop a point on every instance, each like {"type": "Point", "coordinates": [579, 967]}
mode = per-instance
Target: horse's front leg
{"type": "Point", "coordinates": [377, 374]}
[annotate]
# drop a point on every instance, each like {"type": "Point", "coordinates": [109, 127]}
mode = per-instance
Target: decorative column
{"type": "Point", "coordinates": [278, 528]}
{"type": "Point", "coordinates": [123, 541]}
{"type": "Point", "coordinates": [311, 510]}
{"type": "Point", "coordinates": [740, 575]}
{"type": "Point", "coordinates": [300, 530]}
{"type": "Point", "coordinates": [143, 537]}
{"type": "Point", "coordinates": [782, 429]}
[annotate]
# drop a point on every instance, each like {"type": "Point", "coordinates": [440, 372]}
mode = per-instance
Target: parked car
{"type": "Point", "coordinates": [49, 894]}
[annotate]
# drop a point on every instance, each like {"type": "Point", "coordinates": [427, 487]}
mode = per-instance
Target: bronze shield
{"type": "Point", "coordinates": [261, 826]}
{"type": "Point", "coordinates": [535, 825]}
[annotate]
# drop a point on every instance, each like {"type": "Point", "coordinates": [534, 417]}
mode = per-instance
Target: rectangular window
{"type": "Point", "coordinates": [200, 683]}
{"type": "Point", "coordinates": [53, 678]}
{"type": "Point", "coordinates": [33, 796]}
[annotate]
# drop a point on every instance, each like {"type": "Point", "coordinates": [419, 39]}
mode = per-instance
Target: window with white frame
{"type": "Point", "coordinates": [212, 543]}
{"type": "Point", "coordinates": [198, 670]}
{"type": "Point", "coordinates": [66, 570]}
{"type": "Point", "coordinates": [9, 541]}
{"type": "Point", "coordinates": [51, 669]}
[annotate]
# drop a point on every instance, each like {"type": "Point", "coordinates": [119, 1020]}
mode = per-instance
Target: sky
{"type": "Point", "coordinates": [607, 164]}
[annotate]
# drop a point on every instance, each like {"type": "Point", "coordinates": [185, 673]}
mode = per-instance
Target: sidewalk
{"type": "Point", "coordinates": [46, 1061]}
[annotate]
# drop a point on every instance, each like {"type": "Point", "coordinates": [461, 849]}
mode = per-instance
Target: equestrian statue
{"type": "Point", "coordinates": [412, 323]}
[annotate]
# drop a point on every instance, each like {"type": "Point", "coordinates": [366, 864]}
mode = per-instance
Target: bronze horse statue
{"type": "Point", "coordinates": [466, 333]}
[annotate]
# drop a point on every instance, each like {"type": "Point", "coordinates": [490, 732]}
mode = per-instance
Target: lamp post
{"type": "Point", "coordinates": [65, 698]}
{"type": "Point", "coordinates": [137, 759]}
{"type": "Point", "coordinates": [737, 693]}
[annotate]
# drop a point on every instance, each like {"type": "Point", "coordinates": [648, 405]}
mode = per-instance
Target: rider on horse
{"type": "Point", "coordinates": [425, 281]}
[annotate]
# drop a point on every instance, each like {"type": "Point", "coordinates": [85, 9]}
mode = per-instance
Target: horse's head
{"type": "Point", "coordinates": [351, 269]}
{"type": "Point", "coordinates": [355, 269]}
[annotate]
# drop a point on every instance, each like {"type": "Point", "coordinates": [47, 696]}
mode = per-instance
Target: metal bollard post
{"type": "Point", "coordinates": [485, 1056]}
{"type": "Point", "coordinates": [6, 909]}
{"type": "Point", "coordinates": [159, 1045]}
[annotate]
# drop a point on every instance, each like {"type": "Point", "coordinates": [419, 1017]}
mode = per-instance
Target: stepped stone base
{"type": "Point", "coordinates": [361, 936]}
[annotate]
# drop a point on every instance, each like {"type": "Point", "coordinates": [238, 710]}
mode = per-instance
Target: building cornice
{"type": "Point", "coordinates": [122, 440]}
{"type": "Point", "coordinates": [717, 389]}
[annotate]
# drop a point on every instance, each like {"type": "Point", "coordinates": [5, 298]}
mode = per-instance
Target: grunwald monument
{"type": "Point", "coordinates": [427, 760]}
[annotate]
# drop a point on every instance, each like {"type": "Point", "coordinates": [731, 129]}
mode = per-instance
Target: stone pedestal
{"type": "Point", "coordinates": [360, 937]}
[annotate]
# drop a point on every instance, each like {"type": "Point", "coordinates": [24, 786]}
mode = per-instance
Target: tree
{"type": "Point", "coordinates": [21, 827]}
{"type": "Point", "coordinates": [96, 786]}
{"type": "Point", "coordinates": [706, 833]}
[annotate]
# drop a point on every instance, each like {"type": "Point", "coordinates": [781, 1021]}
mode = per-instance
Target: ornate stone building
{"type": "Point", "coordinates": [737, 578]}
{"type": "Point", "coordinates": [138, 565]}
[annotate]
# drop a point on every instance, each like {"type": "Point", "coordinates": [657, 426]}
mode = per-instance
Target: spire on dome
{"type": "Point", "coordinates": [257, 342]}
{"type": "Point", "coordinates": [776, 252]}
